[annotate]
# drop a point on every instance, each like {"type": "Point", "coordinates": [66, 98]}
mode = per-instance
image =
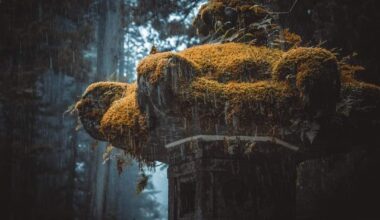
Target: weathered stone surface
{"type": "Point", "coordinates": [222, 180]}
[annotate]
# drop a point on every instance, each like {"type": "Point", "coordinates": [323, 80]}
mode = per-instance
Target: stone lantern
{"type": "Point", "coordinates": [233, 117]}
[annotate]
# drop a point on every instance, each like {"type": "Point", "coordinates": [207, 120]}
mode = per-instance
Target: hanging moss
{"type": "Point", "coordinates": [123, 124]}
{"type": "Point", "coordinates": [238, 105]}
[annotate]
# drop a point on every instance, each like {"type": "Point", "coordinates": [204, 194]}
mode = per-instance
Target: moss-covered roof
{"type": "Point", "coordinates": [312, 72]}
{"type": "Point", "coordinates": [230, 88]}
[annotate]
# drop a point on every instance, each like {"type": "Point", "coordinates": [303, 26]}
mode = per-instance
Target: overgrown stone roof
{"type": "Point", "coordinates": [304, 95]}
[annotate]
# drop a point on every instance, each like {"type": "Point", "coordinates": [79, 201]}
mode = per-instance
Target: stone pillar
{"type": "Point", "coordinates": [220, 180]}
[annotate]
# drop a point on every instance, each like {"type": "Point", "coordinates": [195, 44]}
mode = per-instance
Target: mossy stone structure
{"type": "Point", "coordinates": [223, 115]}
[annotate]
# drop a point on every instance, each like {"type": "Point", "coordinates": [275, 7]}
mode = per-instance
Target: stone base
{"type": "Point", "coordinates": [222, 181]}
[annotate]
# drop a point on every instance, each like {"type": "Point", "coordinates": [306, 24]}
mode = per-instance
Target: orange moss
{"type": "Point", "coordinates": [232, 60]}
{"type": "Point", "coordinates": [223, 85]}
{"type": "Point", "coordinates": [293, 59]}
{"type": "Point", "coordinates": [154, 65]}
{"type": "Point", "coordinates": [241, 92]}
{"type": "Point", "coordinates": [314, 72]}
{"type": "Point", "coordinates": [124, 124]}
{"type": "Point", "coordinates": [348, 77]}
{"type": "Point", "coordinates": [264, 103]}
{"type": "Point", "coordinates": [149, 63]}
{"type": "Point", "coordinates": [290, 40]}
{"type": "Point", "coordinates": [349, 72]}
{"type": "Point", "coordinates": [100, 96]}
{"type": "Point", "coordinates": [114, 88]}
{"type": "Point", "coordinates": [95, 101]}
{"type": "Point", "coordinates": [223, 62]}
